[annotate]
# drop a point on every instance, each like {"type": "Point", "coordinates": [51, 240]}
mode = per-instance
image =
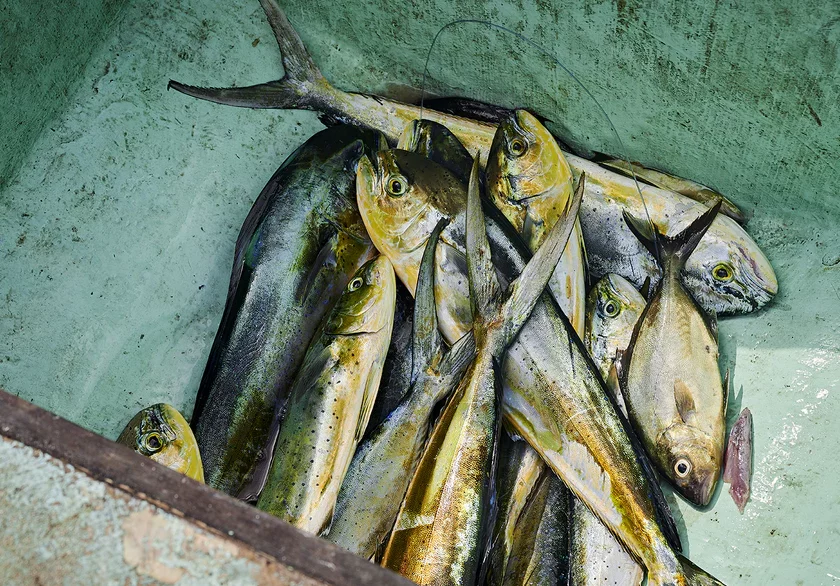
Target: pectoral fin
{"type": "Point", "coordinates": [684, 400]}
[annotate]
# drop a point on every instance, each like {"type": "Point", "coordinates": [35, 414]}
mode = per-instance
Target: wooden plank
{"type": "Point", "coordinates": [128, 471]}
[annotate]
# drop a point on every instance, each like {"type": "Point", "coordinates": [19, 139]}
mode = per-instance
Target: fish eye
{"type": "Point", "coordinates": [723, 272]}
{"type": "Point", "coordinates": [611, 309]}
{"type": "Point", "coordinates": [355, 284]}
{"type": "Point", "coordinates": [682, 468]}
{"type": "Point", "coordinates": [397, 185]}
{"type": "Point", "coordinates": [152, 442]}
{"type": "Point", "coordinates": [518, 147]}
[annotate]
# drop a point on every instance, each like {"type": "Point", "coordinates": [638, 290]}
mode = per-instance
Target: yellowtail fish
{"type": "Point", "coordinates": [299, 246]}
{"type": "Point", "coordinates": [161, 433]}
{"type": "Point", "coordinates": [439, 534]}
{"type": "Point", "coordinates": [384, 462]}
{"type": "Point", "coordinates": [554, 397]}
{"type": "Point", "coordinates": [727, 274]}
{"type": "Point", "coordinates": [670, 378]}
{"type": "Point", "coordinates": [530, 535]}
{"type": "Point", "coordinates": [529, 180]}
{"type": "Point", "coordinates": [330, 401]}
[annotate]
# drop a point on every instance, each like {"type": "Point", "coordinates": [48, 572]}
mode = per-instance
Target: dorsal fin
{"type": "Point", "coordinates": [646, 289]}
{"type": "Point", "coordinates": [426, 342]}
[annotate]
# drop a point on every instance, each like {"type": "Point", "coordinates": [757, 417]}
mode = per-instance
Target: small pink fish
{"type": "Point", "coordinates": [738, 467]}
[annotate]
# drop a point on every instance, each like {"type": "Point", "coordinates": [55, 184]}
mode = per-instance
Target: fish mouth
{"type": "Point", "coordinates": [700, 491]}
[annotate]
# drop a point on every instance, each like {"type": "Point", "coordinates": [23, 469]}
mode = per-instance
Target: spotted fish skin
{"type": "Point", "coordinates": [299, 246]}
{"type": "Point", "coordinates": [330, 401]}
{"type": "Point", "coordinates": [161, 433]}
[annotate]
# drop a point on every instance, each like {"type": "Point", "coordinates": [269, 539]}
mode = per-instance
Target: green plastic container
{"type": "Point", "coordinates": [120, 201]}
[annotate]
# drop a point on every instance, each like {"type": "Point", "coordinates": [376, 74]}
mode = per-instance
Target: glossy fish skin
{"type": "Point", "coordinates": [727, 273]}
{"type": "Point", "coordinates": [298, 248]}
{"type": "Point", "coordinates": [596, 556]}
{"type": "Point", "coordinates": [671, 384]}
{"type": "Point", "coordinates": [161, 433]}
{"type": "Point", "coordinates": [613, 307]}
{"type": "Point", "coordinates": [384, 462]}
{"type": "Point", "coordinates": [530, 534]}
{"type": "Point", "coordinates": [529, 180]}
{"type": "Point", "coordinates": [436, 142]}
{"type": "Point", "coordinates": [610, 247]}
{"type": "Point", "coordinates": [550, 382]}
{"type": "Point", "coordinates": [540, 554]}
{"type": "Point", "coordinates": [330, 401]}
{"type": "Point", "coordinates": [439, 533]}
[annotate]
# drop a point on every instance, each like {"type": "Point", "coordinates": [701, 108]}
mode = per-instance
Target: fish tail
{"type": "Point", "coordinates": [678, 247]}
{"type": "Point", "coordinates": [426, 338]}
{"type": "Point", "coordinates": [695, 576]}
{"type": "Point", "coordinates": [302, 87]}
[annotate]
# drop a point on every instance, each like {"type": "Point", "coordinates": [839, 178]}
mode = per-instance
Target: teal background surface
{"type": "Point", "coordinates": [120, 202]}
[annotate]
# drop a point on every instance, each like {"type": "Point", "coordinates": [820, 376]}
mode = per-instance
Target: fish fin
{"type": "Point", "coordinates": [409, 139]}
{"type": "Point", "coordinates": [684, 400]}
{"type": "Point", "coordinates": [457, 360]}
{"type": "Point", "coordinates": [694, 575]}
{"type": "Point", "coordinates": [526, 289]}
{"type": "Point", "coordinates": [326, 256]}
{"type": "Point", "coordinates": [484, 284]}
{"type": "Point", "coordinates": [691, 189]}
{"type": "Point", "coordinates": [645, 232]}
{"type": "Point", "coordinates": [298, 88]}
{"type": "Point", "coordinates": [684, 243]}
{"type": "Point", "coordinates": [368, 399]}
{"type": "Point", "coordinates": [646, 289]}
{"type": "Point", "coordinates": [426, 342]}
{"type": "Point", "coordinates": [725, 392]}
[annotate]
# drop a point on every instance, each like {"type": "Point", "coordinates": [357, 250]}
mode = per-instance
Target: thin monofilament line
{"type": "Point", "coordinates": [623, 152]}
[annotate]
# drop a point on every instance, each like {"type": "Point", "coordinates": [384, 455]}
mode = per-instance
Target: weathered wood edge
{"type": "Point", "coordinates": [130, 472]}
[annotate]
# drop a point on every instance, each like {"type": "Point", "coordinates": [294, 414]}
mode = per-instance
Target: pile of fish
{"type": "Point", "coordinates": [503, 426]}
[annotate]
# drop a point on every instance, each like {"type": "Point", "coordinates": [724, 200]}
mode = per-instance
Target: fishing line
{"type": "Point", "coordinates": [545, 53]}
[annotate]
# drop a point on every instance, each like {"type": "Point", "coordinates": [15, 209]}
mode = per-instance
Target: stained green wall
{"type": "Point", "coordinates": [116, 236]}
{"type": "Point", "coordinates": [44, 47]}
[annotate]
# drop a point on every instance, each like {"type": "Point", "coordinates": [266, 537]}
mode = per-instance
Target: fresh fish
{"type": "Point", "coordinates": [384, 463]}
{"type": "Point", "coordinates": [553, 394]}
{"type": "Point", "coordinates": [396, 372]}
{"type": "Point", "coordinates": [738, 469]}
{"type": "Point", "coordinates": [696, 191]}
{"type": "Point", "coordinates": [161, 433]}
{"type": "Point", "coordinates": [530, 181]}
{"type": "Point", "coordinates": [436, 142]}
{"type": "Point", "coordinates": [613, 307]}
{"type": "Point", "coordinates": [670, 378]}
{"type": "Point", "coordinates": [596, 556]}
{"type": "Point", "coordinates": [330, 401]}
{"type": "Point", "coordinates": [529, 544]}
{"type": "Point", "coordinates": [300, 244]}
{"type": "Point", "coordinates": [727, 274]}
{"type": "Point", "coordinates": [440, 531]}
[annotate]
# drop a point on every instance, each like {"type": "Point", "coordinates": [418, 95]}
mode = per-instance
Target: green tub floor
{"type": "Point", "coordinates": [120, 201]}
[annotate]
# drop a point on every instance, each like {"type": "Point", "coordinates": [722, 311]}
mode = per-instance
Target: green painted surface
{"type": "Point", "coordinates": [44, 48]}
{"type": "Point", "coordinates": [117, 234]}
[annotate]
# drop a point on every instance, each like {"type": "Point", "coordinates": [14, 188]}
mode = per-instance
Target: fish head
{"type": "Point", "coordinates": [613, 307]}
{"type": "Point", "coordinates": [730, 274]}
{"type": "Point", "coordinates": [366, 305]}
{"type": "Point", "coordinates": [526, 168]}
{"type": "Point", "coordinates": [691, 459]}
{"type": "Point", "coordinates": [401, 197]}
{"type": "Point", "coordinates": [161, 433]}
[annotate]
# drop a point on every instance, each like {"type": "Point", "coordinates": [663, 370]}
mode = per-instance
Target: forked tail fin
{"type": "Point", "coordinates": [695, 576]}
{"type": "Point", "coordinates": [678, 247]}
{"type": "Point", "coordinates": [300, 87]}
